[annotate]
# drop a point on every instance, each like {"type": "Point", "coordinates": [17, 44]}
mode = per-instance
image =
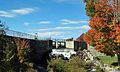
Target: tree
{"type": "Point", "coordinates": [14, 54]}
{"type": "Point", "coordinates": [3, 28]}
{"type": "Point", "coordinates": [104, 34]}
{"type": "Point", "coordinates": [23, 53]}
{"type": "Point", "coordinates": [22, 48]}
{"type": "Point", "coordinates": [80, 38]}
{"type": "Point", "coordinates": [8, 56]}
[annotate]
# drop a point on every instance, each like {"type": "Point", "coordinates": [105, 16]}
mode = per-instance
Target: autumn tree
{"type": "Point", "coordinates": [80, 38]}
{"type": "Point", "coordinates": [22, 46]}
{"type": "Point", "coordinates": [104, 34]}
{"type": "Point", "coordinates": [23, 53]}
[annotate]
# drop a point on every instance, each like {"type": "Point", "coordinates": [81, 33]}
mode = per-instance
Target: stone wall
{"type": "Point", "coordinates": [94, 52]}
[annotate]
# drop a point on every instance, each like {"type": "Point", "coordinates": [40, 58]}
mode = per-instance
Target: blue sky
{"type": "Point", "coordinates": [48, 18]}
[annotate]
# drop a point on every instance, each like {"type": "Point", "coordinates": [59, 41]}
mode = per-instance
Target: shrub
{"type": "Point", "coordinates": [75, 64]}
{"type": "Point", "coordinates": [56, 65]}
{"type": "Point", "coordinates": [90, 65]}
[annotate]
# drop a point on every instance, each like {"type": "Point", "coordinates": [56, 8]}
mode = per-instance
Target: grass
{"type": "Point", "coordinates": [107, 59]}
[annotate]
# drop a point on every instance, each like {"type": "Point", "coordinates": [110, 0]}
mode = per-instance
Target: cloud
{"type": "Point", "coordinates": [23, 11]}
{"type": "Point", "coordinates": [44, 22]}
{"type": "Point", "coordinates": [49, 34]}
{"type": "Point", "coordinates": [56, 28]}
{"type": "Point", "coordinates": [15, 12]}
{"type": "Point", "coordinates": [7, 14]}
{"type": "Point", "coordinates": [67, 21]}
{"type": "Point", "coordinates": [84, 27]}
{"type": "Point", "coordinates": [26, 23]}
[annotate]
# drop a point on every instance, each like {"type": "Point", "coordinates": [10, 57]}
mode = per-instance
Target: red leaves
{"type": "Point", "coordinates": [91, 31]}
{"type": "Point", "coordinates": [118, 30]}
{"type": "Point", "coordinates": [80, 38]}
{"type": "Point", "coordinates": [117, 39]}
{"type": "Point", "coordinates": [97, 36]}
{"type": "Point", "coordinates": [105, 32]}
{"type": "Point", "coordinates": [88, 38]}
{"type": "Point", "coordinates": [98, 22]}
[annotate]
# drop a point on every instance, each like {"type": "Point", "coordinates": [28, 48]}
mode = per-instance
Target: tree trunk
{"type": "Point", "coordinates": [118, 55]}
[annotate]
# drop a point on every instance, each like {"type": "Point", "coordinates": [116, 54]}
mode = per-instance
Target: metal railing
{"type": "Point", "coordinates": [4, 30]}
{"type": "Point", "coordinates": [24, 35]}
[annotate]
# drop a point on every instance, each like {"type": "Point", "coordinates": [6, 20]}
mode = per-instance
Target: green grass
{"type": "Point", "coordinates": [107, 59]}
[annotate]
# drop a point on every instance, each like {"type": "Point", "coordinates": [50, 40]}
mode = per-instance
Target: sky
{"type": "Point", "coordinates": [48, 18]}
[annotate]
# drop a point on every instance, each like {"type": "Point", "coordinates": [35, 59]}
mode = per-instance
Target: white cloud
{"type": "Point", "coordinates": [56, 28]}
{"type": "Point", "coordinates": [44, 22]}
{"type": "Point", "coordinates": [49, 34]}
{"type": "Point", "coordinates": [26, 23]}
{"type": "Point", "coordinates": [6, 14]}
{"type": "Point", "coordinates": [15, 12]}
{"type": "Point", "coordinates": [23, 11]}
{"type": "Point", "coordinates": [66, 21]}
{"type": "Point", "coordinates": [84, 27]}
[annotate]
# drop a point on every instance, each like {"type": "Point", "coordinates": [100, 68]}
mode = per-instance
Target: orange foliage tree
{"type": "Point", "coordinates": [80, 38]}
{"type": "Point", "coordinates": [104, 34]}
{"type": "Point", "coordinates": [22, 45]}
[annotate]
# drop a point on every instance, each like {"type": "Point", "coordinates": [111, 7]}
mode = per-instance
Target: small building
{"type": "Point", "coordinates": [69, 44]}
{"type": "Point", "coordinates": [76, 45]}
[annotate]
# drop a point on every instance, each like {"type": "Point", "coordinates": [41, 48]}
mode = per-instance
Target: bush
{"type": "Point", "coordinates": [90, 65]}
{"type": "Point", "coordinates": [75, 64]}
{"type": "Point", "coordinates": [56, 65]}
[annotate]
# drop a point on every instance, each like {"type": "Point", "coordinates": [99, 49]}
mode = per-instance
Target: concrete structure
{"type": "Point", "coordinates": [76, 45]}
{"type": "Point", "coordinates": [58, 43]}
{"type": "Point", "coordinates": [66, 53]}
{"type": "Point", "coordinates": [70, 44]}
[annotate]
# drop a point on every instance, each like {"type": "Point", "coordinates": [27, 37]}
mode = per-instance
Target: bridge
{"type": "Point", "coordinates": [6, 31]}
{"type": "Point", "coordinates": [40, 47]}
{"type": "Point", "coordinates": [24, 35]}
